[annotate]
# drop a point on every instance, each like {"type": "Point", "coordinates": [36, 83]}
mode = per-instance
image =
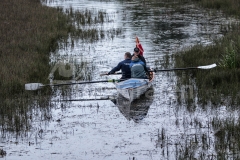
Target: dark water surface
{"type": "Point", "coordinates": [152, 128]}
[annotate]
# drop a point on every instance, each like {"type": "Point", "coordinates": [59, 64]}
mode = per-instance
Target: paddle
{"type": "Point", "coordinates": [199, 67]}
{"type": "Point", "coordinates": [36, 86]}
{"type": "Point", "coordinates": [102, 99]}
{"type": "Point", "coordinates": [172, 69]}
{"type": "Point", "coordinates": [105, 74]}
{"type": "Point", "coordinates": [99, 99]}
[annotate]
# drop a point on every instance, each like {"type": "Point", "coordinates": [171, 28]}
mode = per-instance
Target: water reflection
{"type": "Point", "coordinates": [138, 109]}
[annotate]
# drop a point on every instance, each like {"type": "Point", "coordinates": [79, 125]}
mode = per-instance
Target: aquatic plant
{"type": "Point", "coordinates": [2, 153]}
{"type": "Point", "coordinates": [229, 59]}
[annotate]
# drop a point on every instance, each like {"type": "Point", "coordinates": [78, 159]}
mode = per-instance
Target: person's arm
{"type": "Point", "coordinates": [115, 69]}
{"type": "Point", "coordinates": [139, 46]}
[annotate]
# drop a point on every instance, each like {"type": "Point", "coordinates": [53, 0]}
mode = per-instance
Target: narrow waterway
{"type": "Point", "coordinates": [154, 127]}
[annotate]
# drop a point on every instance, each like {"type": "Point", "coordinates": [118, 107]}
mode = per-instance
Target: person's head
{"type": "Point", "coordinates": [135, 58]}
{"type": "Point", "coordinates": [127, 55]}
{"type": "Point", "coordinates": [136, 51]}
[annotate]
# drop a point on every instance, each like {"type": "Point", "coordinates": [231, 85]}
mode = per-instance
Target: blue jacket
{"type": "Point", "coordinates": [142, 59]}
{"type": "Point", "coordinates": [138, 69]}
{"type": "Point", "coordinates": [124, 66]}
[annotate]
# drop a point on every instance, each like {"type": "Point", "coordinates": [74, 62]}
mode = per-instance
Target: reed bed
{"type": "Point", "coordinates": [215, 87]}
{"type": "Point", "coordinates": [29, 32]}
{"type": "Point", "coordinates": [230, 7]}
{"type": "Point", "coordinates": [224, 145]}
{"type": "Point", "coordinates": [219, 85]}
{"type": "Point", "coordinates": [227, 138]}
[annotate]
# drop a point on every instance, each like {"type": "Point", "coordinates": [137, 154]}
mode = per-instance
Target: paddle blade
{"type": "Point", "coordinates": [208, 66]}
{"type": "Point", "coordinates": [33, 86]}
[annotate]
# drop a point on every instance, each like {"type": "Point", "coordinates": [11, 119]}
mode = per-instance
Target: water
{"type": "Point", "coordinates": [156, 128]}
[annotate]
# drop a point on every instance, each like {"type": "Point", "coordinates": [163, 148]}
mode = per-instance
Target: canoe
{"type": "Point", "coordinates": [133, 88]}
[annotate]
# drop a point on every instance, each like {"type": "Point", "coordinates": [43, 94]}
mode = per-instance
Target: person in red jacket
{"type": "Point", "coordinates": [139, 46]}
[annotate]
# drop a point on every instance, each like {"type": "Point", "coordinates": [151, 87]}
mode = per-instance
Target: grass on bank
{"type": "Point", "coordinates": [29, 32]}
{"type": "Point", "coordinates": [221, 82]}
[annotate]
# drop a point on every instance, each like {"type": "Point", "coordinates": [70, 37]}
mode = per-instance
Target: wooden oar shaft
{"type": "Point", "coordinates": [101, 99]}
{"type": "Point", "coordinates": [175, 69]}
{"type": "Point", "coordinates": [82, 82]}
{"type": "Point", "coordinates": [88, 82]}
{"type": "Point", "coordinates": [36, 86]}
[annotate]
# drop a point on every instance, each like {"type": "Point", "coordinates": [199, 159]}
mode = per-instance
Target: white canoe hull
{"type": "Point", "coordinates": [134, 88]}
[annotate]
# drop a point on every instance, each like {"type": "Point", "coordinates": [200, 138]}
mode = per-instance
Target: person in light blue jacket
{"type": "Point", "coordinates": [138, 68]}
